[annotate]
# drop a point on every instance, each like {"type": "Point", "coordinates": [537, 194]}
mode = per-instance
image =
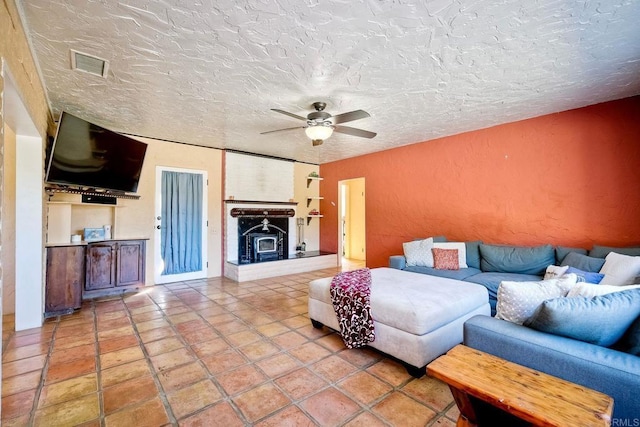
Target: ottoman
{"type": "Point", "coordinates": [417, 317]}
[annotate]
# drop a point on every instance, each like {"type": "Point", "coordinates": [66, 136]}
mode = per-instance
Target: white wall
{"type": "Point", "coordinates": [257, 178]}
{"type": "Point", "coordinates": [29, 239]}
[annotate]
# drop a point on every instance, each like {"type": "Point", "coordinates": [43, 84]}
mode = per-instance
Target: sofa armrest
{"type": "Point", "coordinates": [609, 371]}
{"type": "Point", "coordinates": [397, 261]}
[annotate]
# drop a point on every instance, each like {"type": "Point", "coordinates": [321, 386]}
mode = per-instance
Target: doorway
{"type": "Point", "coordinates": [180, 243]}
{"type": "Point", "coordinates": [352, 228]}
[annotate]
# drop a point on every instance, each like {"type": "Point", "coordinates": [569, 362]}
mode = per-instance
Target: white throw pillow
{"type": "Point", "coordinates": [418, 253]}
{"type": "Point", "coordinates": [620, 270]}
{"type": "Point", "coordinates": [555, 271]}
{"type": "Point", "coordinates": [460, 246]}
{"type": "Point", "coordinates": [517, 301]}
{"type": "Point", "coordinates": [589, 290]}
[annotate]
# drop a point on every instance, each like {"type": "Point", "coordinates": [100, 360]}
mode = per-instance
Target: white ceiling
{"type": "Point", "coordinates": [208, 72]}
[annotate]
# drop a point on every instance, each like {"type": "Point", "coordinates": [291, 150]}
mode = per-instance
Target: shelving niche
{"type": "Point", "coordinates": [68, 215]}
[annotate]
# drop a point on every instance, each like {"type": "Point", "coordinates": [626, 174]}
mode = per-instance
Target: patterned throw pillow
{"type": "Point", "coordinates": [460, 246]}
{"type": "Point", "coordinates": [445, 259]}
{"type": "Point", "coordinates": [517, 301]}
{"type": "Point", "coordinates": [418, 252]}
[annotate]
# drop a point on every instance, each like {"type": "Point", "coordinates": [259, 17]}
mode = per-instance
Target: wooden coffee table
{"type": "Point", "coordinates": [532, 396]}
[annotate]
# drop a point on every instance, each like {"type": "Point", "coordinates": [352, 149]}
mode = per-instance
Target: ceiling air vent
{"type": "Point", "coordinates": [89, 64]}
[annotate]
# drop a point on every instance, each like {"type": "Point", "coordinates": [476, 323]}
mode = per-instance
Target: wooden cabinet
{"type": "Point", "coordinates": [64, 279]}
{"type": "Point", "coordinates": [114, 265]}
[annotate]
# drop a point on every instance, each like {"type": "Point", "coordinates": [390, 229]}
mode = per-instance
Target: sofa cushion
{"type": "Point", "coordinates": [445, 259]}
{"type": "Point", "coordinates": [583, 262]}
{"type": "Point", "coordinates": [459, 246]}
{"type": "Point", "coordinates": [473, 253]}
{"type": "Point", "coordinates": [516, 259]}
{"type": "Point", "coordinates": [601, 320]}
{"type": "Point", "coordinates": [563, 251]}
{"type": "Point", "coordinates": [585, 276]}
{"type": "Point", "coordinates": [620, 269]}
{"type": "Point", "coordinates": [418, 252]}
{"type": "Point", "coordinates": [460, 274]}
{"type": "Point", "coordinates": [602, 251]}
{"type": "Point", "coordinates": [517, 301]}
{"type": "Point", "coordinates": [491, 281]}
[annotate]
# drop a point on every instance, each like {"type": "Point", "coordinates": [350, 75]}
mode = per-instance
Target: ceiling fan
{"type": "Point", "coordinates": [320, 124]}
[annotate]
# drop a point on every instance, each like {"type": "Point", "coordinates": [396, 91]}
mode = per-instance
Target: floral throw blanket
{"type": "Point", "coordinates": [350, 295]}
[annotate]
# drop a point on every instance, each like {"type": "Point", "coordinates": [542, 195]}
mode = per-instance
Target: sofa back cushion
{"type": "Point", "coordinates": [583, 262]}
{"type": "Point", "coordinates": [563, 251]}
{"type": "Point", "coordinates": [602, 251]}
{"type": "Point", "coordinates": [516, 259]}
{"type": "Point", "coordinates": [473, 253]}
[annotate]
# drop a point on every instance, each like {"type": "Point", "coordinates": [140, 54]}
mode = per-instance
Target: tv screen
{"type": "Point", "coordinates": [87, 155]}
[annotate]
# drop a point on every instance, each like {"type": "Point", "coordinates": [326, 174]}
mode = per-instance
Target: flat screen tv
{"type": "Point", "coordinates": [87, 155]}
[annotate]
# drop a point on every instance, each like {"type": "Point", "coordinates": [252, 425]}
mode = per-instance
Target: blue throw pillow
{"type": "Point", "coordinates": [563, 251]}
{"type": "Point", "coordinates": [585, 276]}
{"type": "Point", "coordinates": [583, 262]}
{"type": "Point", "coordinates": [600, 320]}
{"type": "Point", "coordinates": [516, 259]}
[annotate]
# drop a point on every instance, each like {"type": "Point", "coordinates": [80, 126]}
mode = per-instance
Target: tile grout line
{"type": "Point", "coordinates": [101, 414]}
{"type": "Point", "coordinates": [154, 375]}
{"type": "Point", "coordinates": [43, 374]}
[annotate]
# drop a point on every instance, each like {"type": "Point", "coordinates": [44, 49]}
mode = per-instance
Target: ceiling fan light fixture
{"type": "Point", "coordinates": [319, 131]}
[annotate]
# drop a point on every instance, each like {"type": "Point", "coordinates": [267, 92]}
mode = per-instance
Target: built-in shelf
{"type": "Point", "coordinates": [69, 217]}
{"type": "Point", "coordinates": [90, 192]}
{"type": "Point", "coordinates": [309, 199]}
{"type": "Point", "coordinates": [310, 217]}
{"type": "Point", "coordinates": [310, 179]}
{"type": "Point", "coordinates": [259, 202]}
{"type": "Point", "coordinates": [74, 203]}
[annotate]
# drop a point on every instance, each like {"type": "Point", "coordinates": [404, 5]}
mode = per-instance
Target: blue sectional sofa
{"type": "Point", "coordinates": [613, 371]}
{"type": "Point", "coordinates": [488, 265]}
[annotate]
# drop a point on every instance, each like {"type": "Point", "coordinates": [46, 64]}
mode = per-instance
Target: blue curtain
{"type": "Point", "coordinates": [181, 233]}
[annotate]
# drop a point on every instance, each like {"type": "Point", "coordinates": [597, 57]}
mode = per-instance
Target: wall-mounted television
{"type": "Point", "coordinates": [86, 155]}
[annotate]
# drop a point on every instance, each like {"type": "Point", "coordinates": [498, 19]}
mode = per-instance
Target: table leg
{"type": "Point", "coordinates": [467, 416]}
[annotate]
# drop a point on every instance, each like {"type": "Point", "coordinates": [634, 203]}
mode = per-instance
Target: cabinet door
{"type": "Point", "coordinates": [131, 258]}
{"type": "Point", "coordinates": [65, 278]}
{"type": "Point", "coordinates": [101, 266]}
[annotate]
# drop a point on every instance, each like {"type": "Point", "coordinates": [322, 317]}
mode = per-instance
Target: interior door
{"type": "Point", "coordinates": [180, 244]}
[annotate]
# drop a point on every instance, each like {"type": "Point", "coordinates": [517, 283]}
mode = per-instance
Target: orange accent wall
{"type": "Point", "coordinates": [570, 178]}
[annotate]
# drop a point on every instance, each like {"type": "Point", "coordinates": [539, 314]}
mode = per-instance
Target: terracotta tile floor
{"type": "Point", "coordinates": [208, 352]}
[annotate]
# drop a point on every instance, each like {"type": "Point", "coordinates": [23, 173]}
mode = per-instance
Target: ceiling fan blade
{"type": "Point", "coordinates": [355, 132]}
{"type": "Point", "coordinates": [350, 116]}
{"type": "Point", "coordinates": [282, 130]}
{"type": "Point", "coordinates": [286, 113]}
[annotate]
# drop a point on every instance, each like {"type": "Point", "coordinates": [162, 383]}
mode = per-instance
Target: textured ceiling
{"type": "Point", "coordinates": [208, 72]}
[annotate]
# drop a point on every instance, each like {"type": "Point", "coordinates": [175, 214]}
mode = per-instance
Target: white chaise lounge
{"type": "Point", "coordinates": [416, 317]}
